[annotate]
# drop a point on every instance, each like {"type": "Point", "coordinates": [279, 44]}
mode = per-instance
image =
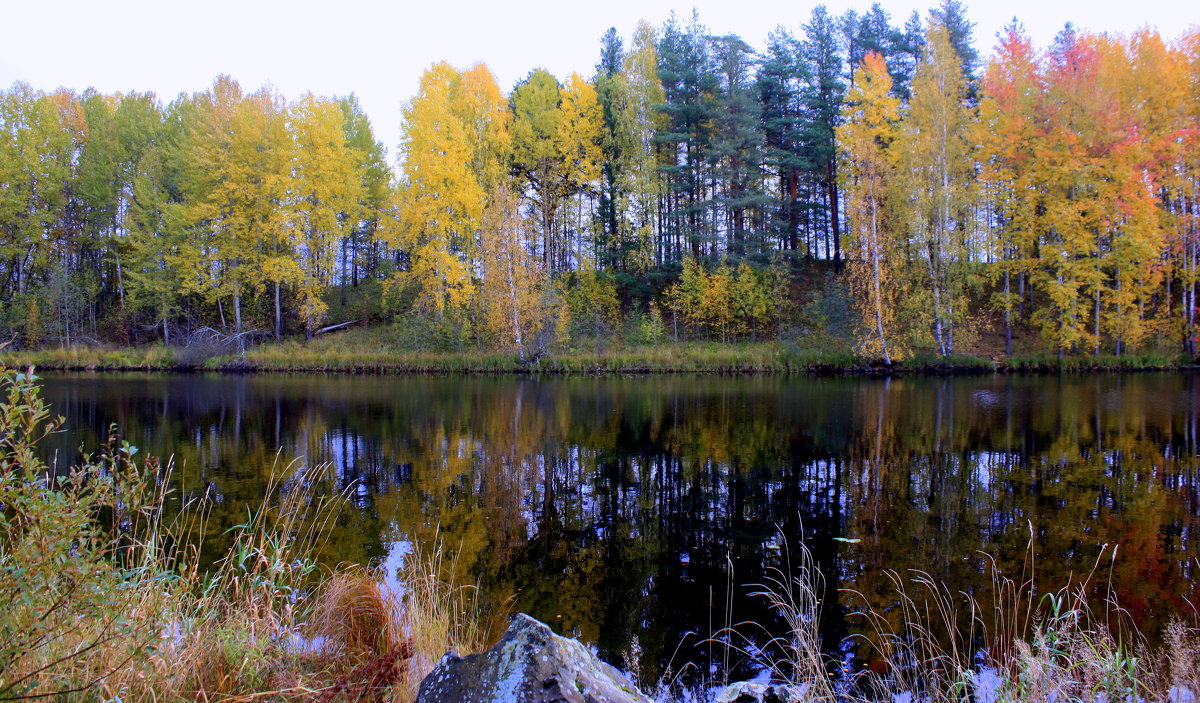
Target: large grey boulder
{"type": "Point", "coordinates": [530, 664]}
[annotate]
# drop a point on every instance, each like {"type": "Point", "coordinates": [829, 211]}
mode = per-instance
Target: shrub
{"type": "Point", "coordinates": [74, 587]}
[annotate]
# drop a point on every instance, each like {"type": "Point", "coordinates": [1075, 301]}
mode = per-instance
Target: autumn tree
{"type": "Point", "coordinates": [36, 155]}
{"type": "Point", "coordinates": [1010, 110]}
{"type": "Point", "coordinates": [453, 129]}
{"type": "Point", "coordinates": [936, 179]}
{"type": "Point", "coordinates": [1168, 115]}
{"type": "Point", "coordinates": [125, 217]}
{"type": "Point", "coordinates": [155, 230]}
{"type": "Point", "coordinates": [1099, 241]}
{"type": "Point", "coordinates": [326, 197]}
{"type": "Point", "coordinates": [361, 249]}
{"type": "Point", "coordinates": [869, 127]}
{"type": "Point", "coordinates": [556, 155]}
{"type": "Point", "coordinates": [952, 15]}
{"type": "Point", "coordinates": [519, 302]}
{"type": "Point", "coordinates": [237, 166]}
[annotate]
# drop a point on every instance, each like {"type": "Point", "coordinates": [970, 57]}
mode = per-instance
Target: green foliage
{"type": "Point", "coordinates": [71, 571]}
{"type": "Point", "coordinates": [645, 328]}
{"type": "Point", "coordinates": [825, 319]}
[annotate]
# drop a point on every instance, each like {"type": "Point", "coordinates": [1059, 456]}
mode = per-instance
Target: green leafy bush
{"type": "Point", "coordinates": [70, 587]}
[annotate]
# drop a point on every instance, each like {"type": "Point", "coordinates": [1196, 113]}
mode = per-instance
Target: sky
{"type": "Point", "coordinates": [377, 49]}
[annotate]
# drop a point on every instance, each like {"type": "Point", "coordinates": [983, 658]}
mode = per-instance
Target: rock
{"type": "Point", "coordinates": [530, 664]}
{"type": "Point", "coordinates": [755, 692]}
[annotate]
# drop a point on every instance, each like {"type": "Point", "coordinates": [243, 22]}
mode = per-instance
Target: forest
{"type": "Point", "coordinates": [857, 183]}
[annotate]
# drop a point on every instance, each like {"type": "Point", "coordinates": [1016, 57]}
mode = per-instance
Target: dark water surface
{"type": "Point", "coordinates": [625, 510]}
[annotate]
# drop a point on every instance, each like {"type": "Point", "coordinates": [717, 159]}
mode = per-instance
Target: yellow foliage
{"type": "Point", "coordinates": [933, 190]}
{"type": "Point", "coordinates": [454, 140]}
{"type": "Point", "coordinates": [514, 290]}
{"type": "Point", "coordinates": [595, 307]}
{"type": "Point", "coordinates": [327, 194]}
{"type": "Point", "coordinates": [869, 126]}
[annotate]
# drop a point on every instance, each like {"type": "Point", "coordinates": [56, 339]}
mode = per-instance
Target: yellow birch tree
{"type": "Point", "coordinates": [869, 126]}
{"type": "Point", "coordinates": [449, 130]}
{"type": "Point", "coordinates": [327, 193]}
{"type": "Point", "coordinates": [937, 179]}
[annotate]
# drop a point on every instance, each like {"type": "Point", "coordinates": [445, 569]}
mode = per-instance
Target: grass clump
{"type": "Point", "coordinates": [1024, 646]}
{"type": "Point", "coordinates": [1082, 363]}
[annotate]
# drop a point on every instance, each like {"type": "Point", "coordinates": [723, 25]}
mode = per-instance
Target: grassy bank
{"type": "Point", "coordinates": [151, 358]}
{"type": "Point", "coordinates": [103, 599]}
{"type": "Point", "coordinates": [372, 351]}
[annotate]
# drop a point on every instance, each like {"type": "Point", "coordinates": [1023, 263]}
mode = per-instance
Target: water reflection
{"type": "Point", "coordinates": [626, 510]}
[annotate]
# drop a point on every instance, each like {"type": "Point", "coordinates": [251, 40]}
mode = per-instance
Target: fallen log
{"type": "Point", "coordinates": [338, 326]}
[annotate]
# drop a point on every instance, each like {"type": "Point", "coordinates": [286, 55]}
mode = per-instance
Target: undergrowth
{"type": "Point", "coordinates": [383, 350]}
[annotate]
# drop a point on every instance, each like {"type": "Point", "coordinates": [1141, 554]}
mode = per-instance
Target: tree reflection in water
{"type": "Point", "coordinates": [623, 510]}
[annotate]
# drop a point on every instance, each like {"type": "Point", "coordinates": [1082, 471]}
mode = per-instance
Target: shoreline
{"type": "Point", "coordinates": [709, 359]}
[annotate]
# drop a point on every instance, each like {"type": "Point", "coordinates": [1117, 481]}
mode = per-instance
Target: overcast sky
{"type": "Point", "coordinates": [378, 50]}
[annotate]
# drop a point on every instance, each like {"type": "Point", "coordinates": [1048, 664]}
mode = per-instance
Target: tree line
{"type": "Point", "coordinates": [691, 188]}
{"type": "Point", "coordinates": [124, 218]}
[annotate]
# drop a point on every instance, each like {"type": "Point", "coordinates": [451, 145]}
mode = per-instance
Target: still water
{"type": "Point", "coordinates": [635, 513]}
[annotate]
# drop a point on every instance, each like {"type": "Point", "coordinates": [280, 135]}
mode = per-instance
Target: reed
{"type": "Point", "coordinates": [1022, 646]}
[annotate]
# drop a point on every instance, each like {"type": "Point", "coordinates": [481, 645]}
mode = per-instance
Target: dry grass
{"type": "Point", "coordinates": [266, 624]}
{"type": "Point", "coordinates": [270, 624]}
{"type": "Point", "coordinates": [357, 615]}
{"type": "Point", "coordinates": [238, 628]}
{"type": "Point", "coordinates": [437, 615]}
{"type": "Point", "coordinates": [797, 656]}
{"type": "Point", "coordinates": [1179, 668]}
{"type": "Point", "coordinates": [98, 358]}
{"type": "Point", "coordinates": [1057, 646]}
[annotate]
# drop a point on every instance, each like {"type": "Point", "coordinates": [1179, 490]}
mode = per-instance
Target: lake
{"type": "Point", "coordinates": [637, 512]}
